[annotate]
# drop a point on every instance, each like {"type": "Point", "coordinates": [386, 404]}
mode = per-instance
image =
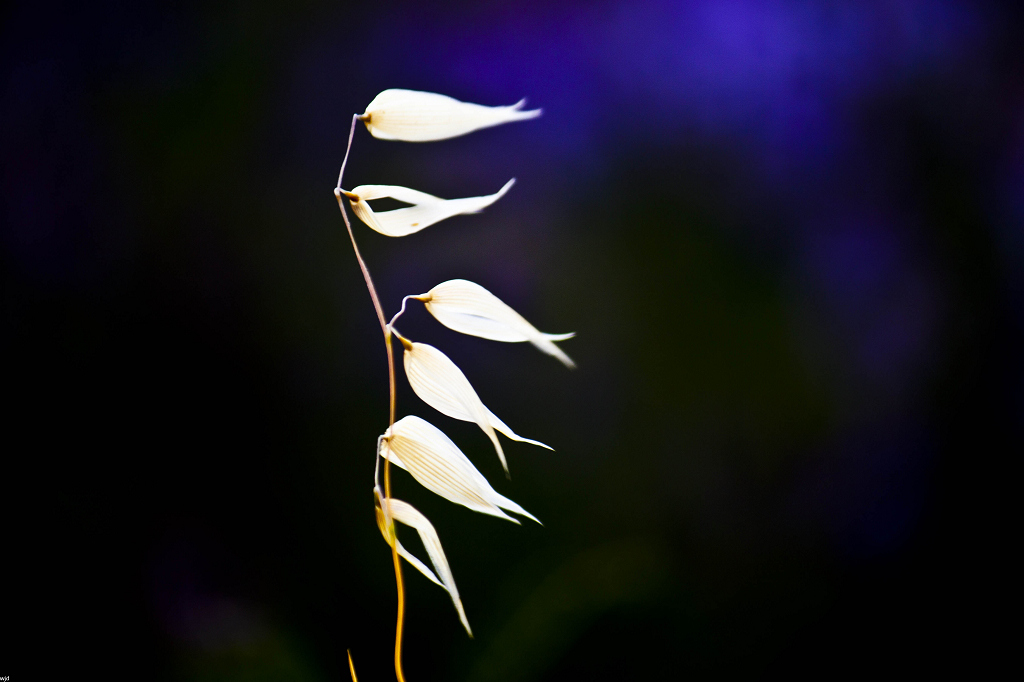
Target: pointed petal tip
{"type": "Point", "coordinates": [552, 349]}
{"type": "Point", "coordinates": [532, 113]}
{"type": "Point", "coordinates": [463, 619]}
{"type": "Point", "coordinates": [497, 513]}
{"type": "Point", "coordinates": [531, 517]}
{"type": "Point", "coordinates": [503, 428]}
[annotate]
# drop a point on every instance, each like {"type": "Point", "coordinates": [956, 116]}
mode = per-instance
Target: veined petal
{"type": "Point", "coordinates": [468, 308]}
{"type": "Point", "coordinates": [415, 116]}
{"type": "Point", "coordinates": [409, 196]}
{"type": "Point", "coordinates": [439, 465]}
{"type": "Point", "coordinates": [426, 209]}
{"type": "Point", "coordinates": [410, 516]}
{"type": "Point", "coordinates": [442, 385]}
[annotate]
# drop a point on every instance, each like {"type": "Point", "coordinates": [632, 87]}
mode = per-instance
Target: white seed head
{"type": "Point", "coordinates": [410, 516]}
{"type": "Point", "coordinates": [415, 116]}
{"type": "Point", "coordinates": [441, 384]}
{"type": "Point", "coordinates": [468, 308]}
{"type": "Point", "coordinates": [426, 209]}
{"type": "Point", "coordinates": [412, 443]}
{"type": "Point", "coordinates": [439, 465]}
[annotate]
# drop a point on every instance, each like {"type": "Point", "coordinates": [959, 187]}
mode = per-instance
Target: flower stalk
{"type": "Point", "coordinates": [392, 401]}
{"type": "Point", "coordinates": [412, 443]}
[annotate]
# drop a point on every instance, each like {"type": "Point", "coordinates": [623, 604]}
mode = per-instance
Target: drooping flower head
{"type": "Point", "coordinates": [414, 116]}
{"type": "Point", "coordinates": [412, 443]}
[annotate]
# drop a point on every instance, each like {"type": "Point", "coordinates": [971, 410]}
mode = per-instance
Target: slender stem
{"type": "Point", "coordinates": [351, 133]}
{"type": "Point", "coordinates": [352, 667]}
{"type": "Point", "coordinates": [391, 408]}
{"type": "Point", "coordinates": [394, 319]}
{"type": "Point", "coordinates": [400, 620]}
{"type": "Point", "coordinates": [362, 266]}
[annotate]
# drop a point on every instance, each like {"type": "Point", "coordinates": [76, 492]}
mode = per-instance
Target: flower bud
{"type": "Point", "coordinates": [414, 116]}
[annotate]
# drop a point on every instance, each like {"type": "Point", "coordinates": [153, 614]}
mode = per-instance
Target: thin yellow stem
{"type": "Point", "coordinates": [400, 620]}
{"type": "Point", "coordinates": [351, 666]}
{"type": "Point", "coordinates": [391, 410]}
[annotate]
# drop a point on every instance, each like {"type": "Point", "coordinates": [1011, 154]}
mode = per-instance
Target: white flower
{"type": "Point", "coordinates": [410, 516]}
{"type": "Point", "coordinates": [426, 209]}
{"type": "Point", "coordinates": [414, 116]}
{"type": "Point", "coordinates": [412, 443]}
{"type": "Point", "coordinates": [438, 464]}
{"type": "Point", "coordinates": [466, 307]}
{"type": "Point", "coordinates": [441, 384]}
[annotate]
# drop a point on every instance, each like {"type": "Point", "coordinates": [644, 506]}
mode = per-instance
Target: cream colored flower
{"type": "Point", "coordinates": [410, 516]}
{"type": "Point", "coordinates": [438, 464]}
{"type": "Point", "coordinates": [467, 307]}
{"type": "Point", "coordinates": [426, 209]}
{"type": "Point", "coordinates": [414, 116]}
{"type": "Point", "coordinates": [441, 384]}
{"type": "Point", "coordinates": [412, 443]}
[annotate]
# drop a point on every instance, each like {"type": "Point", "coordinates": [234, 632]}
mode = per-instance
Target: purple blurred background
{"type": "Point", "coordinates": [789, 236]}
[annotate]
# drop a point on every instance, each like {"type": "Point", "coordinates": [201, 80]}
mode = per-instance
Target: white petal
{"type": "Point", "coordinates": [509, 433]}
{"type": "Point", "coordinates": [410, 516]}
{"type": "Point", "coordinates": [403, 552]}
{"type": "Point", "coordinates": [414, 116]}
{"type": "Point", "coordinates": [438, 464]}
{"type": "Point", "coordinates": [409, 196]}
{"type": "Point", "coordinates": [442, 385]}
{"type": "Point", "coordinates": [426, 209]}
{"type": "Point", "coordinates": [468, 308]}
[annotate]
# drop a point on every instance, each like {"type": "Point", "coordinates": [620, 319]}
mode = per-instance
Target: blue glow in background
{"type": "Point", "coordinates": [789, 238]}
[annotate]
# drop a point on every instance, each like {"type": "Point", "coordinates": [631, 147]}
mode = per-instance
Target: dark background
{"type": "Point", "coordinates": [788, 235]}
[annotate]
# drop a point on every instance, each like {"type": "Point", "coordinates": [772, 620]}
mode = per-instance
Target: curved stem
{"type": "Point", "coordinates": [391, 408]}
{"type": "Point", "coordinates": [394, 319]}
